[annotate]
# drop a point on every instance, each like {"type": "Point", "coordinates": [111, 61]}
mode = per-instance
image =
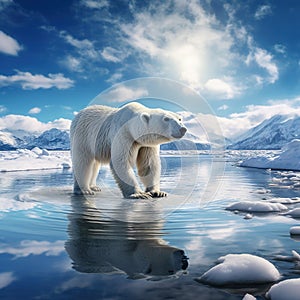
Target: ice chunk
{"type": "Point", "coordinates": [248, 216]}
{"type": "Point", "coordinates": [241, 269]}
{"type": "Point", "coordinates": [248, 297]}
{"type": "Point", "coordinates": [295, 230]}
{"type": "Point", "coordinates": [285, 290]}
{"type": "Point", "coordinates": [295, 213]}
{"type": "Point", "coordinates": [257, 206]}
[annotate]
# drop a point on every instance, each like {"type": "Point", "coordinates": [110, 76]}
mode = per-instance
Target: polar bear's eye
{"type": "Point", "coordinates": [166, 119]}
{"type": "Point", "coordinates": [179, 119]}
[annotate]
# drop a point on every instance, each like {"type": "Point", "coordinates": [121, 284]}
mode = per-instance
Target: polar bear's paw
{"type": "Point", "coordinates": [158, 194]}
{"type": "Point", "coordinates": [95, 188]}
{"type": "Point", "coordinates": [140, 195]}
{"type": "Point", "coordinates": [83, 192]}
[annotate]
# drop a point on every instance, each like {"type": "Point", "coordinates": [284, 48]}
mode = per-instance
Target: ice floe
{"type": "Point", "coordinates": [285, 201]}
{"type": "Point", "coordinates": [285, 290]}
{"type": "Point", "coordinates": [288, 159]}
{"type": "Point", "coordinates": [256, 206]}
{"type": "Point", "coordinates": [240, 269]}
{"type": "Point", "coordinates": [35, 159]}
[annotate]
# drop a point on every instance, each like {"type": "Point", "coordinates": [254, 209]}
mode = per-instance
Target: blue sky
{"type": "Point", "coordinates": [243, 57]}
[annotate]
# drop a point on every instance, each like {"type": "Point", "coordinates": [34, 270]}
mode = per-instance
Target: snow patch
{"type": "Point", "coordinates": [241, 269]}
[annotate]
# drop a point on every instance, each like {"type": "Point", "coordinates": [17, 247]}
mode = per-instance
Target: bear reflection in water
{"type": "Point", "coordinates": [99, 243]}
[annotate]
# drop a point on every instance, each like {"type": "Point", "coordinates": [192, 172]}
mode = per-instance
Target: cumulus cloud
{"type": "Point", "coordinates": [263, 11]}
{"type": "Point", "coordinates": [31, 124]}
{"type": "Point", "coordinates": [34, 110]}
{"type": "Point", "coordinates": [32, 247]}
{"type": "Point", "coordinates": [9, 45]}
{"type": "Point", "coordinates": [220, 88]}
{"type": "Point", "coordinates": [30, 81]}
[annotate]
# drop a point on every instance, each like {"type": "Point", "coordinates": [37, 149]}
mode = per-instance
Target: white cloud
{"type": "Point", "coordinates": [34, 110]}
{"type": "Point", "coordinates": [93, 4]}
{"type": "Point", "coordinates": [181, 39]}
{"type": "Point", "coordinates": [84, 47]}
{"type": "Point", "coordinates": [264, 60]}
{"type": "Point", "coordinates": [238, 123]}
{"type": "Point", "coordinates": [9, 45]}
{"type": "Point", "coordinates": [123, 93]}
{"type": "Point", "coordinates": [32, 247]}
{"type": "Point", "coordinates": [72, 63]}
{"type": "Point", "coordinates": [263, 11]}
{"type": "Point", "coordinates": [29, 81]}
{"type": "Point", "coordinates": [220, 89]}
{"type": "Point", "coordinates": [31, 124]}
{"type": "Point", "coordinates": [111, 54]}
{"type": "Point", "coordinates": [6, 279]}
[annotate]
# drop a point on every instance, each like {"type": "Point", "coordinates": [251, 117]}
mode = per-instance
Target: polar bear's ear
{"type": "Point", "coordinates": [145, 117]}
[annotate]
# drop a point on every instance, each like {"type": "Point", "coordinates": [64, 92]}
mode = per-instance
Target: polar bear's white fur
{"type": "Point", "coordinates": [123, 137]}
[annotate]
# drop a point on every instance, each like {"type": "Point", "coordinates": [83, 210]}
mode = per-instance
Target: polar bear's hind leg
{"type": "Point", "coordinates": [95, 172]}
{"type": "Point", "coordinates": [82, 177]}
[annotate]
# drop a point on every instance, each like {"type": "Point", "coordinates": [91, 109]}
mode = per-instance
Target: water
{"type": "Point", "coordinates": [54, 245]}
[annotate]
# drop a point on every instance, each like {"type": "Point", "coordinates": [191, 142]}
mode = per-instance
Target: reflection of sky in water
{"type": "Point", "coordinates": [107, 240]}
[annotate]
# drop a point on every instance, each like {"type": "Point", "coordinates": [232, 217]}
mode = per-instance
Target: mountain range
{"type": "Point", "coordinates": [272, 133]}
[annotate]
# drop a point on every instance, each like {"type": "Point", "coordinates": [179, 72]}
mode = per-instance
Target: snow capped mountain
{"type": "Point", "coordinates": [273, 133]}
{"type": "Point", "coordinates": [53, 139]}
{"type": "Point", "coordinates": [203, 133]}
{"type": "Point", "coordinates": [8, 141]}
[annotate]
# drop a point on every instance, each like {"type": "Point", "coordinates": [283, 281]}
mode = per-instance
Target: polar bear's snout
{"type": "Point", "coordinates": [182, 131]}
{"type": "Point", "coordinates": [179, 133]}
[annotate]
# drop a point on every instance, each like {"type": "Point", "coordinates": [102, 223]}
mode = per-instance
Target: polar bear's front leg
{"type": "Point", "coordinates": [125, 178]}
{"type": "Point", "coordinates": [148, 164]}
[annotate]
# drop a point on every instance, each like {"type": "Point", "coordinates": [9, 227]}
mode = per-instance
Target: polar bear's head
{"type": "Point", "coordinates": [160, 126]}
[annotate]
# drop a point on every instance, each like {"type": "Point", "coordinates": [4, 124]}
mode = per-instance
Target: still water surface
{"type": "Point", "coordinates": [54, 245]}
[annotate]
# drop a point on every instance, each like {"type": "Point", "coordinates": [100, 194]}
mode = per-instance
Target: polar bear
{"type": "Point", "coordinates": [122, 137]}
